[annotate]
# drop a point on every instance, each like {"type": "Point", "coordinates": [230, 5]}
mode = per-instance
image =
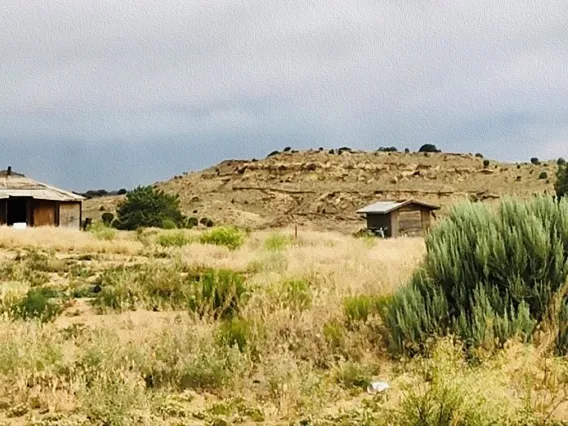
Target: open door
{"type": "Point", "coordinates": [17, 210]}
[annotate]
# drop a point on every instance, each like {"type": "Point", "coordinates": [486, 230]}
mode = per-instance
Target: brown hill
{"type": "Point", "coordinates": [323, 190]}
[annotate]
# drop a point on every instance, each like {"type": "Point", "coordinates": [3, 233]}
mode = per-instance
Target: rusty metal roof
{"type": "Point", "coordinates": [385, 207]}
{"type": "Point", "coordinates": [17, 185]}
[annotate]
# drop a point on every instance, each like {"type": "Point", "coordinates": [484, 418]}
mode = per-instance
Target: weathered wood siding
{"type": "Point", "coordinates": [44, 213]}
{"type": "Point", "coordinates": [410, 222]}
{"type": "Point", "coordinates": [70, 215]}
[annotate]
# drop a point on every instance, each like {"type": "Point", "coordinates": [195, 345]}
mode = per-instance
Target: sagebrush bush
{"type": "Point", "coordinates": [223, 236]}
{"type": "Point", "coordinates": [487, 277]}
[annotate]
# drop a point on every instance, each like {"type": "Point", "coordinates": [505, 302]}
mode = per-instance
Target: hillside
{"type": "Point", "coordinates": [323, 189]}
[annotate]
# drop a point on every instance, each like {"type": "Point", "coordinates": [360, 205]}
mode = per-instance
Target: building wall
{"type": "Point", "coordinates": [44, 213]}
{"type": "Point", "coordinates": [70, 215]}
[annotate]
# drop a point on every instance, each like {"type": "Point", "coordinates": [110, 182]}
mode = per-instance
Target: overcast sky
{"type": "Point", "coordinates": [115, 93]}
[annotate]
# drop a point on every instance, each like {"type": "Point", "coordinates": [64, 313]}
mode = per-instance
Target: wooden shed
{"type": "Point", "coordinates": [23, 200]}
{"type": "Point", "coordinates": [395, 218]}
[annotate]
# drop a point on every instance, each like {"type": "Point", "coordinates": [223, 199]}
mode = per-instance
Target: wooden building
{"type": "Point", "coordinates": [23, 200]}
{"type": "Point", "coordinates": [397, 218]}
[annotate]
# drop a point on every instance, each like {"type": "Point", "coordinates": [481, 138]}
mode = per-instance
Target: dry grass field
{"type": "Point", "coordinates": [106, 328]}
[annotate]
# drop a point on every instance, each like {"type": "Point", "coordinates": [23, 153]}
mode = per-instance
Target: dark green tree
{"type": "Point", "coordinates": [146, 206]}
{"type": "Point", "coordinates": [561, 184]}
{"type": "Point", "coordinates": [429, 148]}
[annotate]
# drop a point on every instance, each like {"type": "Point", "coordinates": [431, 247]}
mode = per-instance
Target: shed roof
{"type": "Point", "coordinates": [14, 184]}
{"type": "Point", "coordinates": [385, 207]}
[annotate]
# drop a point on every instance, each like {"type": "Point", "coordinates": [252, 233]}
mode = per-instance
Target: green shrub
{"type": "Point", "coordinates": [168, 224]}
{"type": "Point", "coordinates": [561, 161]}
{"type": "Point", "coordinates": [37, 304]}
{"type": "Point", "coordinates": [173, 239]}
{"type": "Point", "coordinates": [479, 155]}
{"type": "Point", "coordinates": [107, 218]}
{"type": "Point", "coordinates": [487, 276]}
{"type": "Point", "coordinates": [223, 236]}
{"type": "Point", "coordinates": [220, 293]}
{"type": "Point", "coordinates": [191, 222]}
{"type": "Point", "coordinates": [486, 163]}
{"type": "Point", "coordinates": [429, 148]}
{"type": "Point", "coordinates": [146, 206]}
{"type": "Point", "coordinates": [543, 175]}
{"type": "Point", "coordinates": [236, 331]}
{"type": "Point", "coordinates": [561, 184]}
{"type": "Point", "coordinates": [360, 308]}
{"type": "Point", "coordinates": [102, 231]}
{"type": "Point", "coordinates": [535, 161]}
{"type": "Point", "coordinates": [277, 242]}
{"type": "Point", "coordinates": [354, 375]}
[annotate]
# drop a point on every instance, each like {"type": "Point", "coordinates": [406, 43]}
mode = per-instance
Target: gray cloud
{"type": "Point", "coordinates": [110, 94]}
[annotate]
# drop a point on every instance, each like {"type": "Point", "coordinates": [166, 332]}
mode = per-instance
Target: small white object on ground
{"type": "Point", "coordinates": [20, 225]}
{"type": "Point", "coordinates": [377, 387]}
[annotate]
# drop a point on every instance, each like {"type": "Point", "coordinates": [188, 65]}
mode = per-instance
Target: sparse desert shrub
{"type": "Point", "coordinates": [406, 150]}
{"type": "Point", "coordinates": [168, 224]}
{"type": "Point", "coordinates": [173, 239]}
{"type": "Point", "coordinates": [535, 161]}
{"type": "Point", "coordinates": [561, 161]}
{"type": "Point", "coordinates": [429, 148]}
{"type": "Point", "coordinates": [343, 149]}
{"type": "Point", "coordinates": [223, 236]}
{"type": "Point", "coordinates": [479, 155]}
{"type": "Point", "coordinates": [237, 331]}
{"type": "Point", "coordinates": [121, 191]}
{"type": "Point", "coordinates": [543, 175]}
{"type": "Point", "coordinates": [561, 184]}
{"type": "Point", "coordinates": [277, 242]}
{"type": "Point", "coordinates": [518, 166]}
{"type": "Point", "coordinates": [273, 153]}
{"type": "Point", "coordinates": [107, 218]}
{"type": "Point", "coordinates": [296, 294]}
{"type": "Point", "coordinates": [287, 149]}
{"type": "Point", "coordinates": [354, 375]}
{"type": "Point", "coordinates": [218, 293]}
{"type": "Point", "coordinates": [38, 303]}
{"type": "Point", "coordinates": [387, 149]}
{"type": "Point", "coordinates": [486, 163]}
{"type": "Point", "coordinates": [191, 222]}
{"type": "Point", "coordinates": [207, 222]}
{"type": "Point", "coordinates": [102, 231]}
{"type": "Point", "coordinates": [359, 308]}
{"type": "Point", "coordinates": [146, 206]}
{"type": "Point", "coordinates": [487, 277]}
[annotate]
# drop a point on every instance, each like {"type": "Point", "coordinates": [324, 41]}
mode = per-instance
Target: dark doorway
{"type": "Point", "coordinates": [17, 210]}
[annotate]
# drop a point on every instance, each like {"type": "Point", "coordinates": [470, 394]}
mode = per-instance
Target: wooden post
{"type": "Point", "coordinates": [295, 231]}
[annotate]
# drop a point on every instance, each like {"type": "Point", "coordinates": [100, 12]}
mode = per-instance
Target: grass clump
{"type": "Point", "coordinates": [360, 308]}
{"type": "Point", "coordinates": [38, 303]}
{"type": "Point", "coordinates": [173, 239]}
{"type": "Point", "coordinates": [229, 237]}
{"type": "Point", "coordinates": [296, 294]}
{"type": "Point", "coordinates": [218, 293]}
{"type": "Point", "coordinates": [102, 231]}
{"type": "Point", "coordinates": [277, 242]}
{"type": "Point", "coordinates": [487, 277]}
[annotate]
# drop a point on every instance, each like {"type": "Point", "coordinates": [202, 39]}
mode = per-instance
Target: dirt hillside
{"type": "Point", "coordinates": [322, 190]}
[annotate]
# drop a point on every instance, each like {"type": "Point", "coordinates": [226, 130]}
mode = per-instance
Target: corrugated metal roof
{"type": "Point", "coordinates": [17, 185]}
{"type": "Point", "coordinates": [384, 207]}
